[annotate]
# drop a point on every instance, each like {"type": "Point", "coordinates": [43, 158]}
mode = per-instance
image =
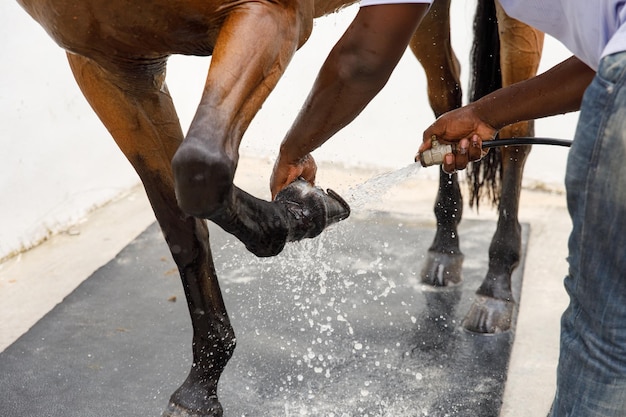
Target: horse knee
{"type": "Point", "coordinates": [203, 179]}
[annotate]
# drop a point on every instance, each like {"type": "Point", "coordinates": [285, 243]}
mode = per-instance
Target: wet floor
{"type": "Point", "coordinates": [334, 326]}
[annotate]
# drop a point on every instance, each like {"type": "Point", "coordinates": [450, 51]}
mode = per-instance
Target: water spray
{"type": "Point", "coordinates": [434, 155]}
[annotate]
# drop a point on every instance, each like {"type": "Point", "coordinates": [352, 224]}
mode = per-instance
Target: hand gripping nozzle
{"type": "Point", "coordinates": [434, 155]}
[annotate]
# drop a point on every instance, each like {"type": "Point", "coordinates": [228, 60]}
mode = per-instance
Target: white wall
{"type": "Point", "coordinates": [57, 161]}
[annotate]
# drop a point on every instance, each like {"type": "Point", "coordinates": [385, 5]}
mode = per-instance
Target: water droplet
{"type": "Point", "coordinates": [376, 187]}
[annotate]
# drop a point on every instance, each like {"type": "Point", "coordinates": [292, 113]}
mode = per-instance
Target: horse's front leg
{"type": "Point", "coordinates": [432, 47]}
{"type": "Point", "coordinates": [136, 108]}
{"type": "Point", "coordinates": [252, 51]}
{"type": "Point", "coordinates": [493, 309]}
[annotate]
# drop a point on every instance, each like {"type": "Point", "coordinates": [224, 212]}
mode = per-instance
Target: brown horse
{"type": "Point", "coordinates": [118, 52]}
{"type": "Point", "coordinates": [505, 51]}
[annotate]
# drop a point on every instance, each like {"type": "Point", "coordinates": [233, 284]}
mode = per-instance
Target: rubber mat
{"type": "Point", "coordinates": [335, 326]}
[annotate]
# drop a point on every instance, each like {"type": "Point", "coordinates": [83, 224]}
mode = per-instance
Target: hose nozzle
{"type": "Point", "coordinates": [434, 155]}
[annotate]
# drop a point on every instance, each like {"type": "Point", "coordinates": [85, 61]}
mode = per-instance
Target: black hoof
{"type": "Point", "coordinates": [489, 316]}
{"type": "Point", "coordinates": [442, 269]}
{"type": "Point", "coordinates": [175, 410]}
{"type": "Point", "coordinates": [310, 210]}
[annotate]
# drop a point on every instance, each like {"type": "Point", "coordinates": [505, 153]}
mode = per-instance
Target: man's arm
{"type": "Point", "coordinates": [356, 69]}
{"type": "Point", "coordinates": [557, 91]}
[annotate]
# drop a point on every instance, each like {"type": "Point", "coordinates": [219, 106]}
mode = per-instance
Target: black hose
{"type": "Point", "coordinates": [526, 141]}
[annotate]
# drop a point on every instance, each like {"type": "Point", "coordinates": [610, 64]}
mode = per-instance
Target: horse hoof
{"type": "Point", "coordinates": [175, 410]}
{"type": "Point", "coordinates": [310, 210]}
{"type": "Point", "coordinates": [489, 315]}
{"type": "Point", "coordinates": [442, 269]}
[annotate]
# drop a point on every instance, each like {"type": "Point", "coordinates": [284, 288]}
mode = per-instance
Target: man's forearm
{"type": "Point", "coordinates": [355, 71]}
{"type": "Point", "coordinates": [557, 91]}
{"type": "Point", "coordinates": [332, 104]}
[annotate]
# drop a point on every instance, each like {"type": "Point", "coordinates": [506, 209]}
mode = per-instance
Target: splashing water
{"type": "Point", "coordinates": [316, 313]}
{"type": "Point", "coordinates": [375, 188]}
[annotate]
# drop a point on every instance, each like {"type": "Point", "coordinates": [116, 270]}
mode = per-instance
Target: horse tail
{"type": "Point", "coordinates": [485, 176]}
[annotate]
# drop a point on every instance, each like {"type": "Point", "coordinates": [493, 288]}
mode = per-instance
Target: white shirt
{"type": "Point", "coordinates": [364, 3]}
{"type": "Point", "coordinates": [590, 29]}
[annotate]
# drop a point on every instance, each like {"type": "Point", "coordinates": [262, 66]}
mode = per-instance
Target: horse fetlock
{"type": "Point", "coordinates": [203, 179]}
{"type": "Point", "coordinates": [267, 247]}
{"type": "Point", "coordinates": [505, 255]}
{"type": "Point", "coordinates": [310, 210]}
{"type": "Point", "coordinates": [497, 284]}
{"type": "Point", "coordinates": [212, 352]}
{"type": "Point", "coordinates": [259, 225]}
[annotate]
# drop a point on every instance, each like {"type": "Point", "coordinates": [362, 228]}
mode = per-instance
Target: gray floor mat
{"type": "Point", "coordinates": [334, 326]}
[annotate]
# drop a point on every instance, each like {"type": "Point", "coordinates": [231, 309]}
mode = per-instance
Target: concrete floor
{"type": "Point", "coordinates": [35, 281]}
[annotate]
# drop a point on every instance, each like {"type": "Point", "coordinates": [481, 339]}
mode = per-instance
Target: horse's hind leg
{"type": "Point", "coordinates": [493, 307]}
{"type": "Point", "coordinates": [492, 311]}
{"type": "Point", "coordinates": [431, 45]}
{"type": "Point", "coordinates": [137, 110]}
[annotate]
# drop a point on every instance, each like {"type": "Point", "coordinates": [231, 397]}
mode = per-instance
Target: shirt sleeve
{"type": "Point", "coordinates": [364, 3]}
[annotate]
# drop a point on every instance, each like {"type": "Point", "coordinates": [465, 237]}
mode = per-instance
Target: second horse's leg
{"type": "Point", "coordinates": [493, 308]}
{"type": "Point", "coordinates": [443, 265]}
{"type": "Point", "coordinates": [431, 45]}
{"type": "Point", "coordinates": [492, 311]}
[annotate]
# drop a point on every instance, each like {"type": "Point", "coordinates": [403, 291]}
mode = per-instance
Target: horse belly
{"type": "Point", "coordinates": [136, 29]}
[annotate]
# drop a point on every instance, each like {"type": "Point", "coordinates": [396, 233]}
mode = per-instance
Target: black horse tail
{"type": "Point", "coordinates": [485, 176]}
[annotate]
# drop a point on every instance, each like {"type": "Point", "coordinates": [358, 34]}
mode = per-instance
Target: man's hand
{"type": "Point", "coordinates": [285, 172]}
{"type": "Point", "coordinates": [465, 130]}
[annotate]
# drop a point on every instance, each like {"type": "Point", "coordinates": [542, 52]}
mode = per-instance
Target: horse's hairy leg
{"type": "Point", "coordinates": [520, 48]}
{"type": "Point", "coordinates": [444, 260]}
{"type": "Point", "coordinates": [493, 308]}
{"type": "Point", "coordinates": [139, 113]}
{"type": "Point", "coordinates": [431, 45]}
